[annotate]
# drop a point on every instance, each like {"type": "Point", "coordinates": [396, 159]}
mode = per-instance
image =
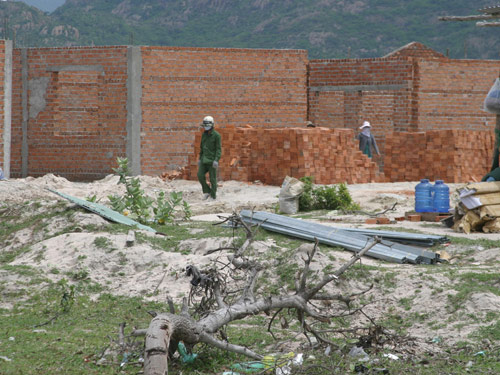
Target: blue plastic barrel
{"type": "Point", "coordinates": [423, 196]}
{"type": "Point", "coordinates": [441, 202]}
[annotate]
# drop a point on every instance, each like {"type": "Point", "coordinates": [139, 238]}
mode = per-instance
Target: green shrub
{"type": "Point", "coordinates": [136, 204]}
{"type": "Point", "coordinates": [332, 197]}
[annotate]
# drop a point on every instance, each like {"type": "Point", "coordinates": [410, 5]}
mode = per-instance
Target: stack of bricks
{"type": "Point", "coordinates": [269, 155]}
{"type": "Point", "coordinates": [449, 155]}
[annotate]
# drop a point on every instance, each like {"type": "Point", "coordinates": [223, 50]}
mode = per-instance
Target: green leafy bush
{"type": "Point", "coordinates": [136, 204]}
{"type": "Point", "coordinates": [333, 197]}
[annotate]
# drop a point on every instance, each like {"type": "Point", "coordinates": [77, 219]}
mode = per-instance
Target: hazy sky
{"type": "Point", "coordinates": [45, 5]}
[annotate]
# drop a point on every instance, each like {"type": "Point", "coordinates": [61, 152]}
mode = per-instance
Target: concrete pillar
{"type": "Point", "coordinates": [134, 109]}
{"type": "Point", "coordinates": [24, 106]}
{"type": "Point", "coordinates": [7, 108]}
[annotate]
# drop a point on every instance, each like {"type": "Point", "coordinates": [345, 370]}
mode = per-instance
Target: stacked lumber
{"type": "Point", "coordinates": [449, 155]}
{"type": "Point", "coordinates": [269, 155]}
{"type": "Point", "coordinates": [479, 208]}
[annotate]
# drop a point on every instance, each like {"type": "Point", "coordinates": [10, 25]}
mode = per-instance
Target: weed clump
{"type": "Point", "coordinates": [335, 197]}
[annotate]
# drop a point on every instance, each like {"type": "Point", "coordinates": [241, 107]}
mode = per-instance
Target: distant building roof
{"type": "Point", "coordinates": [415, 49]}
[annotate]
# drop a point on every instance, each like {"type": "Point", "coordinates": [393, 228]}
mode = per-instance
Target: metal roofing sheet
{"type": "Point", "coordinates": [386, 250]}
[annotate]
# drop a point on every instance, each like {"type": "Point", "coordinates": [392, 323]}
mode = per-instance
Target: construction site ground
{"type": "Point", "coordinates": [441, 305]}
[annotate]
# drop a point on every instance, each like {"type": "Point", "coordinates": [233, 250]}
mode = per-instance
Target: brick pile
{"type": "Point", "coordinates": [269, 155]}
{"type": "Point", "coordinates": [449, 155]}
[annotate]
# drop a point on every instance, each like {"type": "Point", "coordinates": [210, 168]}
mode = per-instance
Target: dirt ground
{"type": "Point", "coordinates": [427, 288]}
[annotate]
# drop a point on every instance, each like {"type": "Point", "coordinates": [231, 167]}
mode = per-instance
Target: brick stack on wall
{"type": "Point", "coordinates": [449, 155]}
{"type": "Point", "coordinates": [269, 155]}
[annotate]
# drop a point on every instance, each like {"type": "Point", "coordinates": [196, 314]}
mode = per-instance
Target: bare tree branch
{"type": "Point", "coordinates": [312, 292]}
{"type": "Point", "coordinates": [209, 339]}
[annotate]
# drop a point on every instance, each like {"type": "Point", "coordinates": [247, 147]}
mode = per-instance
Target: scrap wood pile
{"type": "Point", "coordinates": [479, 208]}
{"type": "Point", "coordinates": [269, 155]}
{"type": "Point", "coordinates": [450, 155]}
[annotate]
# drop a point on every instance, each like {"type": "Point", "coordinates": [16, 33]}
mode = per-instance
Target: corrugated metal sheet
{"type": "Point", "coordinates": [387, 250]}
{"type": "Point", "coordinates": [104, 211]}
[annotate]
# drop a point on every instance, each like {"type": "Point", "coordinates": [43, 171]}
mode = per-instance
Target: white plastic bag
{"type": "Point", "coordinates": [289, 195]}
{"type": "Point", "coordinates": [492, 101]}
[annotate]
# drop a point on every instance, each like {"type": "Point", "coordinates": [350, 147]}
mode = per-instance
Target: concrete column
{"type": "Point", "coordinates": [7, 108]}
{"type": "Point", "coordinates": [24, 106]}
{"type": "Point", "coordinates": [134, 109]}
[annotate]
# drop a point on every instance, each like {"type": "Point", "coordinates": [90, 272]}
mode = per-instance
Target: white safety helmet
{"type": "Point", "coordinates": [366, 124]}
{"type": "Point", "coordinates": [208, 122]}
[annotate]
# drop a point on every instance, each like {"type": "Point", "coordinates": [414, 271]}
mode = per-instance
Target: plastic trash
{"type": "Point", "coordinates": [2, 176]}
{"type": "Point", "coordinates": [391, 356]}
{"type": "Point", "coordinates": [299, 359]}
{"type": "Point", "coordinates": [124, 360]}
{"type": "Point", "coordinates": [249, 367]}
{"type": "Point", "coordinates": [437, 339]}
{"type": "Point", "coordinates": [357, 351]}
{"type": "Point", "coordinates": [492, 101]}
{"type": "Point", "coordinates": [185, 356]}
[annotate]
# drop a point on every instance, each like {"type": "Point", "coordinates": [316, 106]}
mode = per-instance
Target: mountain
{"type": "Point", "coordinates": [326, 28]}
{"type": "Point", "coordinates": [45, 5]}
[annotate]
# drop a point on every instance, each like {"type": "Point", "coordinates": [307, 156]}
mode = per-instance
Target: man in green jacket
{"type": "Point", "coordinates": [210, 153]}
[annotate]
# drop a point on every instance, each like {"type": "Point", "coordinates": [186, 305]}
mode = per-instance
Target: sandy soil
{"type": "Point", "coordinates": [141, 269]}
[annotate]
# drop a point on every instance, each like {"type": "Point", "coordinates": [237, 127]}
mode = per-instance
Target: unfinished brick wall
{"type": "Point", "coordinates": [269, 155]}
{"type": "Point", "coordinates": [74, 118]}
{"type": "Point", "coordinates": [412, 89]}
{"type": "Point", "coordinates": [238, 87]}
{"type": "Point", "coordinates": [451, 94]}
{"type": "Point", "coordinates": [449, 155]}
{"type": "Point", "coordinates": [76, 110]}
{"type": "Point", "coordinates": [344, 93]}
{"type": "Point", "coordinates": [351, 81]}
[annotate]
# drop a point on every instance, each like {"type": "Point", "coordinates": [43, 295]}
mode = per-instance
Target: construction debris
{"type": "Point", "coordinates": [479, 208]}
{"type": "Point", "coordinates": [349, 240]}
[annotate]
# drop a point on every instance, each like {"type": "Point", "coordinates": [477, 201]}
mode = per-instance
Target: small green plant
{"type": "Point", "coordinates": [81, 274]}
{"type": "Point", "coordinates": [92, 198]}
{"type": "Point", "coordinates": [325, 197]}
{"type": "Point", "coordinates": [166, 206]}
{"type": "Point", "coordinates": [102, 242]}
{"type": "Point", "coordinates": [141, 207]}
{"type": "Point", "coordinates": [68, 295]}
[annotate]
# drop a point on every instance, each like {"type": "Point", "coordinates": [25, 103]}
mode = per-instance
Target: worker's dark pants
{"type": "Point", "coordinates": [203, 169]}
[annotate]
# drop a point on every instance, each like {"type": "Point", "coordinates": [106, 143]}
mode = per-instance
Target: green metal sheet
{"type": "Point", "coordinates": [104, 211]}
